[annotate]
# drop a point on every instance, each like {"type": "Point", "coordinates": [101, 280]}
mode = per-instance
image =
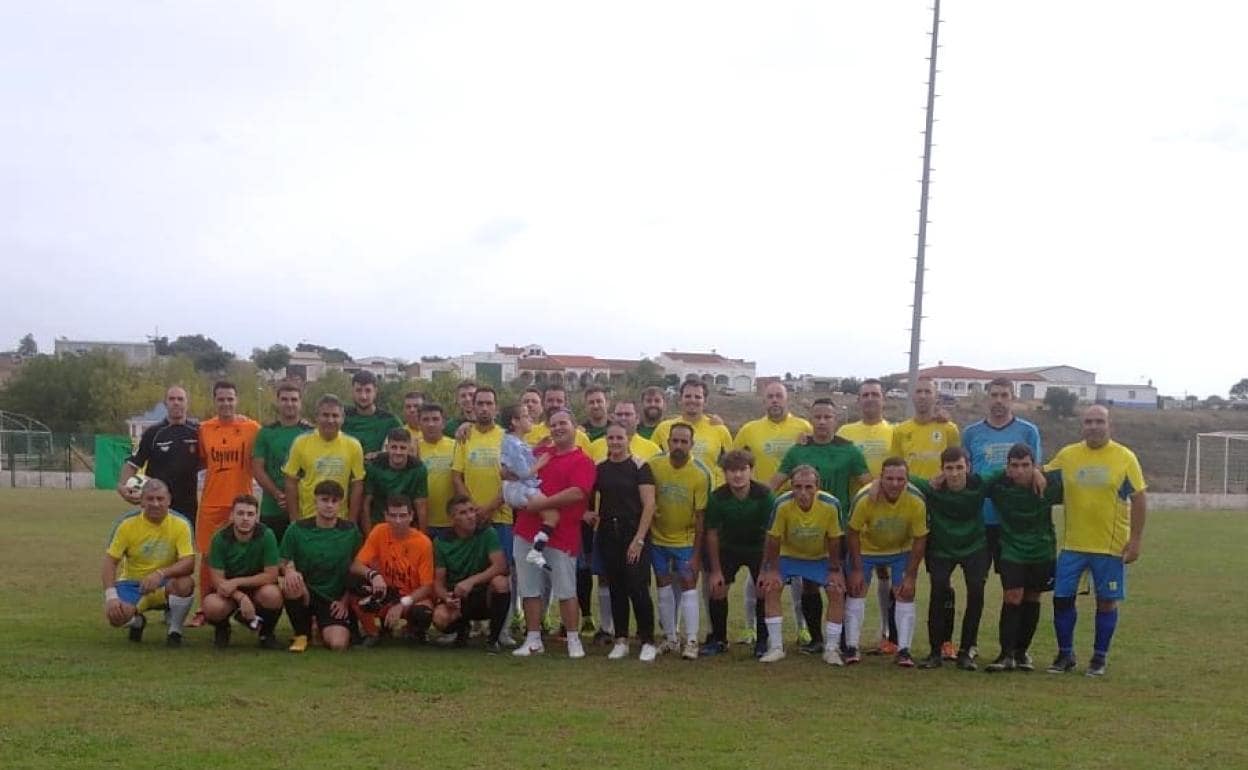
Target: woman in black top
{"type": "Point", "coordinates": [624, 495]}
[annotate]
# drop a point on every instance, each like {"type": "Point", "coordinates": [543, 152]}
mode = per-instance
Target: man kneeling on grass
{"type": "Point", "coordinates": [396, 564]}
{"type": "Point", "coordinates": [155, 544]}
{"type": "Point", "coordinates": [243, 574]}
{"type": "Point", "coordinates": [470, 576]}
{"type": "Point", "coordinates": [316, 560]}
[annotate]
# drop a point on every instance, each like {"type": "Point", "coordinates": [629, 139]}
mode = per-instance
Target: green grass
{"type": "Point", "coordinates": [76, 694]}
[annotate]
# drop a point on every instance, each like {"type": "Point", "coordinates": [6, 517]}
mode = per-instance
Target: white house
{"type": "Point", "coordinates": [1130, 396]}
{"type": "Point", "coordinates": [962, 381]}
{"type": "Point", "coordinates": [715, 370]}
{"type": "Point", "coordinates": [1081, 382]}
{"type": "Point", "coordinates": [383, 368]}
{"type": "Point", "coordinates": [135, 353]}
{"type": "Point", "coordinates": [305, 366]}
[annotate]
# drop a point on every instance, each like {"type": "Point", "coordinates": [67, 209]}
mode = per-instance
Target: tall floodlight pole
{"type": "Point", "coordinates": [916, 322]}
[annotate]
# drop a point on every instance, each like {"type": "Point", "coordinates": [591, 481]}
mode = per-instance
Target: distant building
{"type": "Point", "coordinates": [141, 422]}
{"type": "Point", "coordinates": [1130, 396]}
{"type": "Point", "coordinates": [1081, 382]}
{"type": "Point", "coordinates": [382, 368]}
{"type": "Point", "coordinates": [305, 366]}
{"type": "Point", "coordinates": [715, 370]}
{"type": "Point", "coordinates": [135, 353]}
{"type": "Point", "coordinates": [962, 381]}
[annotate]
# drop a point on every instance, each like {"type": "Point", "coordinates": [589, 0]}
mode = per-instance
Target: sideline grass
{"type": "Point", "coordinates": [76, 694]}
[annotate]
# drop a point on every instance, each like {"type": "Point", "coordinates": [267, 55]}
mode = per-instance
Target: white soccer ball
{"type": "Point", "coordinates": [135, 483]}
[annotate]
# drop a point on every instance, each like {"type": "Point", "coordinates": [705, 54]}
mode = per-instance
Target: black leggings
{"type": "Point", "coordinates": [939, 622]}
{"type": "Point", "coordinates": [629, 582]}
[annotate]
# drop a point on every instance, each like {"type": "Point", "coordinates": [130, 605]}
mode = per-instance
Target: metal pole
{"type": "Point", "coordinates": [1187, 462]}
{"type": "Point", "coordinates": [1198, 471]}
{"type": "Point", "coordinates": [1226, 464]}
{"type": "Point", "coordinates": [916, 321]}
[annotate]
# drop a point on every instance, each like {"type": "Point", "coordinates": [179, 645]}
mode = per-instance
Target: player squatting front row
{"type": "Point", "coordinates": [694, 505]}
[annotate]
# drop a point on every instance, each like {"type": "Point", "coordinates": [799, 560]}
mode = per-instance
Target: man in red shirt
{"type": "Point", "coordinates": [567, 480]}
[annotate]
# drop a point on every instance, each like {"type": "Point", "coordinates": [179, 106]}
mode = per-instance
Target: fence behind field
{"type": "Point", "coordinates": [61, 460]}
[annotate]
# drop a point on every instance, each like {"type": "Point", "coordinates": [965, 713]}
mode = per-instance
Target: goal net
{"type": "Point", "coordinates": [1221, 463]}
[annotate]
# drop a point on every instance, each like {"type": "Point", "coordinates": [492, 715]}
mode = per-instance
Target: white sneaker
{"type": "Point", "coordinates": [832, 657]}
{"type": "Point", "coordinates": [505, 638]}
{"type": "Point", "coordinates": [529, 648]}
{"type": "Point", "coordinates": [535, 557]}
{"type": "Point", "coordinates": [648, 653]}
{"type": "Point", "coordinates": [620, 650]}
{"type": "Point", "coordinates": [575, 648]}
{"type": "Point", "coordinates": [690, 652]}
{"type": "Point", "coordinates": [668, 645]}
{"type": "Point", "coordinates": [772, 656]}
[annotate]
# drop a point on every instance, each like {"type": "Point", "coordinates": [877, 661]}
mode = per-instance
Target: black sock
{"type": "Point", "coordinates": [300, 617]}
{"type": "Point", "coordinates": [1030, 612]}
{"type": "Point", "coordinates": [268, 620]}
{"type": "Point", "coordinates": [500, 608]}
{"type": "Point", "coordinates": [760, 620]}
{"type": "Point", "coordinates": [812, 611]}
{"type": "Point", "coordinates": [892, 618]}
{"type": "Point", "coordinates": [1010, 617]}
{"type": "Point", "coordinates": [421, 617]}
{"type": "Point", "coordinates": [718, 610]}
{"type": "Point", "coordinates": [585, 592]}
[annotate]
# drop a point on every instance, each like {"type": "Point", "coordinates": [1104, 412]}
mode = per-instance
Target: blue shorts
{"type": "Point", "coordinates": [671, 558]}
{"type": "Point", "coordinates": [441, 533]}
{"type": "Point", "coordinates": [896, 564]}
{"type": "Point", "coordinates": [129, 593]}
{"type": "Point", "coordinates": [1109, 575]}
{"type": "Point", "coordinates": [504, 539]}
{"type": "Point", "coordinates": [814, 570]}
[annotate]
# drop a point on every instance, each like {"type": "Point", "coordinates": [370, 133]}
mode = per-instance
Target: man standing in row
{"type": "Point", "coordinates": [653, 405]}
{"type": "Point", "coordinates": [710, 438]}
{"type": "Point", "coordinates": [437, 452]}
{"type": "Point", "coordinates": [271, 452]}
{"type": "Point", "coordinates": [226, 443]}
{"type": "Point", "coordinates": [1105, 511]}
{"type": "Point", "coordinates": [596, 418]}
{"type": "Point", "coordinates": [625, 415]}
{"type": "Point", "coordinates": [325, 454]}
{"type": "Point", "coordinates": [465, 394]}
{"type": "Point", "coordinates": [364, 420]}
{"type": "Point", "coordinates": [168, 451]}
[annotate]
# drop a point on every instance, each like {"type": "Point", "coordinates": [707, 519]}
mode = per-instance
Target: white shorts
{"type": "Point", "coordinates": [518, 493]}
{"type": "Point", "coordinates": [531, 580]}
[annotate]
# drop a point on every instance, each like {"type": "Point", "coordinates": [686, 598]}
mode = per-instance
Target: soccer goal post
{"type": "Point", "coordinates": [1221, 463]}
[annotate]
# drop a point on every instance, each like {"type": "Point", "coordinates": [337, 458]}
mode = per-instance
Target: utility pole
{"type": "Point", "coordinates": [920, 268]}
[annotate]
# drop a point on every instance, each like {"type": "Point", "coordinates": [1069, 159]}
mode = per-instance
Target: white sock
{"type": "Point", "coordinates": [533, 639]}
{"type": "Point", "coordinates": [667, 612]}
{"type": "Point", "coordinates": [606, 621]}
{"type": "Point", "coordinates": [883, 591]}
{"type": "Point", "coordinates": [751, 603]}
{"type": "Point", "coordinates": [136, 620]}
{"type": "Point", "coordinates": [179, 607]}
{"type": "Point", "coordinates": [855, 611]}
{"type": "Point", "coordinates": [775, 631]}
{"type": "Point", "coordinates": [574, 644]}
{"type": "Point", "coordinates": [831, 635]}
{"type": "Point", "coordinates": [795, 594]}
{"type": "Point", "coordinates": [690, 612]}
{"type": "Point", "coordinates": [905, 624]}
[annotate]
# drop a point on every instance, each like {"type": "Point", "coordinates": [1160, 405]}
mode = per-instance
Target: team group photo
{"type": "Point", "coordinates": [571, 385]}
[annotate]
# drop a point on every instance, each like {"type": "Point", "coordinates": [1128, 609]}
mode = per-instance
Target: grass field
{"type": "Point", "coordinates": [76, 694]}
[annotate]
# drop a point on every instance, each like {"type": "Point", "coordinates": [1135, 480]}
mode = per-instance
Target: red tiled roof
{"type": "Point", "coordinates": [619, 364]}
{"type": "Point", "coordinates": [697, 358]}
{"type": "Point", "coordinates": [969, 373]}
{"type": "Point", "coordinates": [539, 364]}
{"type": "Point", "coordinates": [578, 362]}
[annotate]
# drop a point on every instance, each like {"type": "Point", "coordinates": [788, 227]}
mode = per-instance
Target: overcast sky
{"type": "Point", "coordinates": [408, 179]}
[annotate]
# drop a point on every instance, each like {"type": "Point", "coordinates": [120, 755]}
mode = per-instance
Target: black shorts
{"type": "Point", "coordinates": [993, 533]}
{"type": "Point", "coordinates": [731, 563]}
{"type": "Point", "coordinates": [320, 610]}
{"type": "Point", "coordinates": [1036, 576]}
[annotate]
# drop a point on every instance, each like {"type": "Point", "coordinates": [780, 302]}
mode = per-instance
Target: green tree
{"type": "Point", "coordinates": [329, 355]}
{"type": "Point", "coordinates": [271, 360]}
{"type": "Point", "coordinates": [1060, 401]}
{"type": "Point", "coordinates": [1240, 389]}
{"type": "Point", "coordinates": [89, 393]}
{"type": "Point", "coordinates": [27, 347]}
{"type": "Point", "coordinates": [206, 352]}
{"type": "Point", "coordinates": [643, 375]}
{"type": "Point", "coordinates": [850, 385]}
